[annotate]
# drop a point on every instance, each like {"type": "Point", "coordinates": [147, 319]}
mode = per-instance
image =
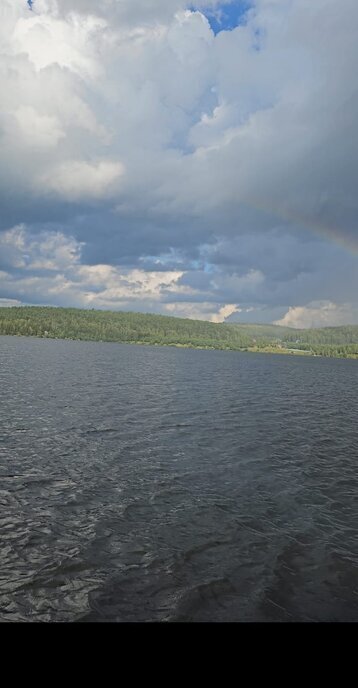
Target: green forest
{"type": "Point", "coordinates": [160, 330]}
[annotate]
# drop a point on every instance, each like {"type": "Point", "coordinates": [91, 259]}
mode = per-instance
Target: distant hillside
{"type": "Point", "coordinates": [139, 328]}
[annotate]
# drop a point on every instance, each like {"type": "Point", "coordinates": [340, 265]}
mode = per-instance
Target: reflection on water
{"type": "Point", "coordinates": [144, 483]}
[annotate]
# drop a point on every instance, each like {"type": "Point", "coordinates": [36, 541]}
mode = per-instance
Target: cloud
{"type": "Point", "coordinates": [48, 251]}
{"type": "Point", "coordinates": [75, 179]}
{"type": "Point", "coordinates": [47, 39]}
{"type": "Point", "coordinates": [318, 314]}
{"type": "Point", "coordinates": [9, 303]}
{"type": "Point", "coordinates": [128, 12]}
{"type": "Point", "coordinates": [47, 269]}
{"type": "Point", "coordinates": [131, 129]}
{"type": "Point", "coordinates": [225, 312]}
{"type": "Point", "coordinates": [200, 310]}
{"type": "Point", "coordinates": [46, 131]}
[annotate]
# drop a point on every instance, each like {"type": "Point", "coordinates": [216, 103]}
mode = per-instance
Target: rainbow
{"type": "Point", "coordinates": [321, 228]}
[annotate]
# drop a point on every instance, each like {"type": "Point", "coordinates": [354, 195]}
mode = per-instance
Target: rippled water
{"type": "Point", "coordinates": [146, 484]}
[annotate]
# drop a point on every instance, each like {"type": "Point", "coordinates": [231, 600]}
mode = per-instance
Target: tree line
{"type": "Point", "coordinates": [142, 328]}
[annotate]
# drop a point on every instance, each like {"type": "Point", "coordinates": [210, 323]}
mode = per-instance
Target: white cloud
{"type": "Point", "coordinates": [130, 285]}
{"type": "Point", "coordinates": [203, 310]}
{"type": "Point", "coordinates": [48, 270]}
{"type": "Point", "coordinates": [45, 130]}
{"type": "Point", "coordinates": [319, 314]}
{"type": "Point", "coordinates": [9, 303]}
{"type": "Point", "coordinates": [150, 79]}
{"type": "Point", "coordinates": [47, 251]}
{"type": "Point", "coordinates": [75, 179]}
{"type": "Point", "coordinates": [47, 40]}
{"type": "Point", "coordinates": [125, 12]}
{"type": "Point", "coordinates": [225, 312]}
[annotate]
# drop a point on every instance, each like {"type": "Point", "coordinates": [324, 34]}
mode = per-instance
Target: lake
{"type": "Point", "coordinates": [162, 484]}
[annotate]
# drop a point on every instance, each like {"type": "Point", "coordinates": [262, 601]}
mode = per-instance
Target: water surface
{"type": "Point", "coordinates": [159, 484]}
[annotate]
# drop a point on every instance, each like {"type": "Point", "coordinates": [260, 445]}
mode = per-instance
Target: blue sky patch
{"type": "Point", "coordinates": [226, 16]}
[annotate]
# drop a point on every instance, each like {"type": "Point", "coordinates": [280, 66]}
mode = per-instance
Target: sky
{"type": "Point", "coordinates": [191, 159]}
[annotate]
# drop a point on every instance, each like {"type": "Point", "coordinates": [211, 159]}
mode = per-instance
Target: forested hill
{"type": "Point", "coordinates": [139, 328]}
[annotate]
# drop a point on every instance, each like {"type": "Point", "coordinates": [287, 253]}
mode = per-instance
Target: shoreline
{"type": "Point", "coordinates": [251, 350]}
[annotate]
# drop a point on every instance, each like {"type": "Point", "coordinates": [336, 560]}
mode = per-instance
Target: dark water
{"type": "Point", "coordinates": [145, 484]}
